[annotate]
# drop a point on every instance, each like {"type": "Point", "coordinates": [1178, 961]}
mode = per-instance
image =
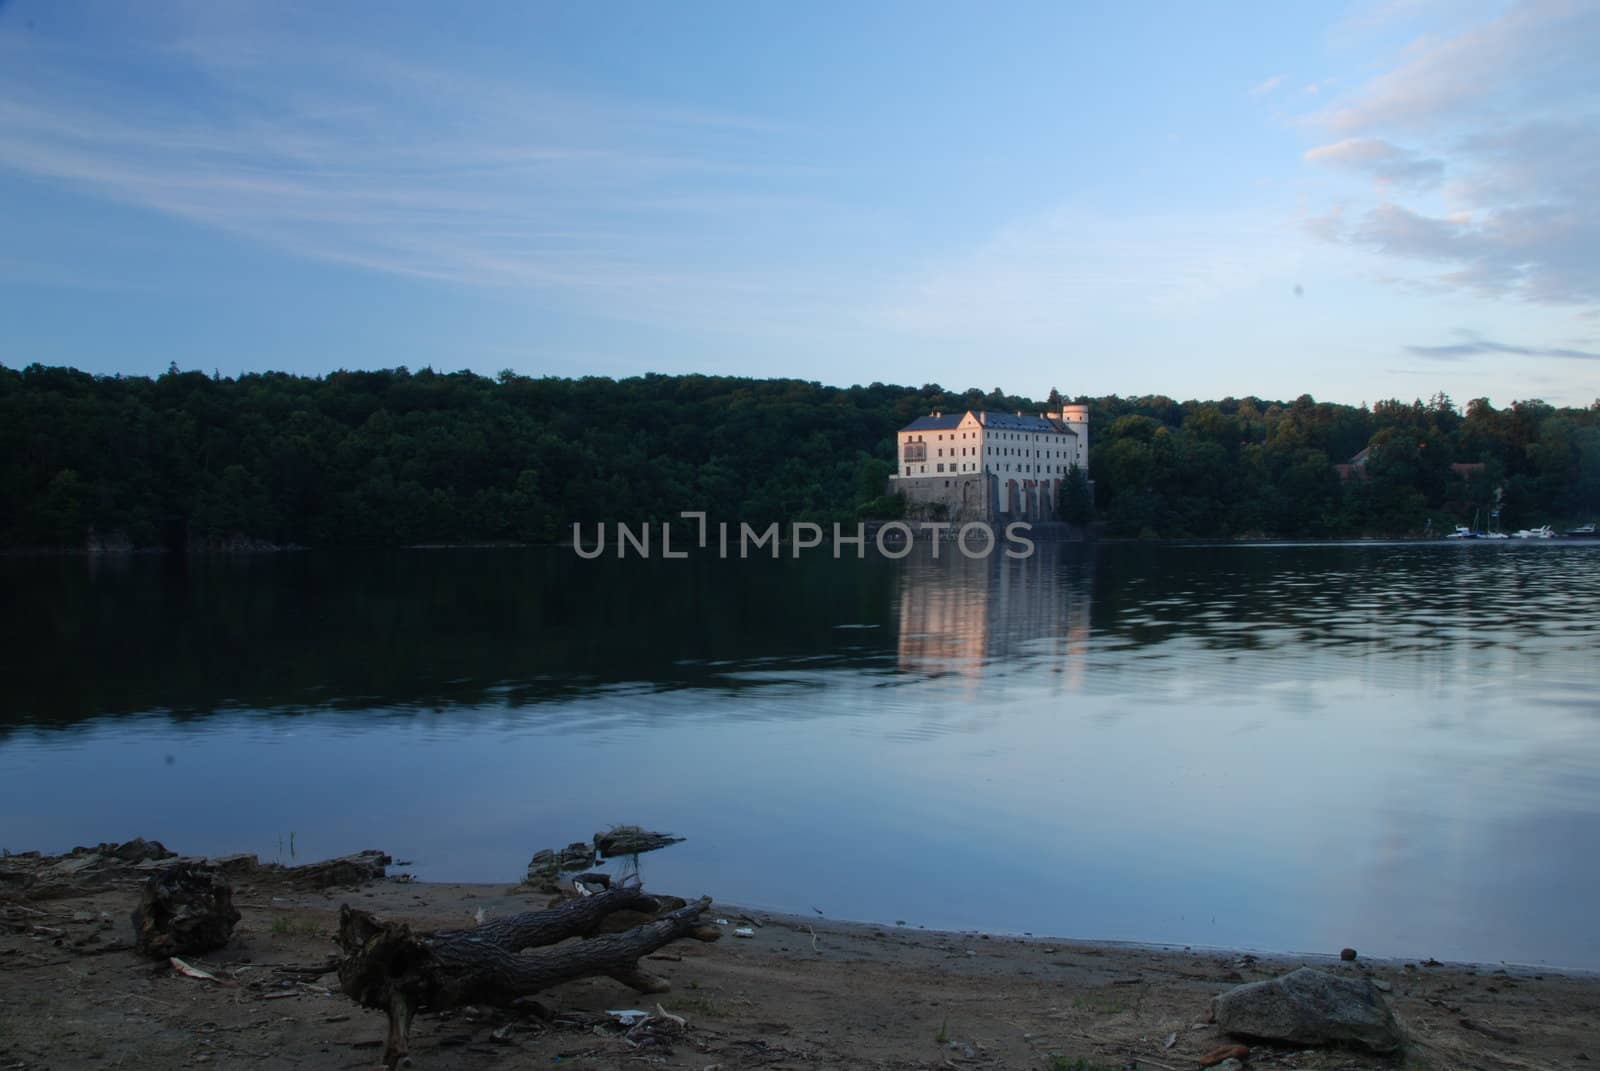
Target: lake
{"type": "Point", "coordinates": [1291, 748]}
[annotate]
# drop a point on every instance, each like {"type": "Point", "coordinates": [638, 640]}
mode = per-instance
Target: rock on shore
{"type": "Point", "coordinates": [1310, 1007]}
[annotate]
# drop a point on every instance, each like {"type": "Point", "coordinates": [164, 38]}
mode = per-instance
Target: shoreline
{"type": "Point", "coordinates": [501, 894]}
{"type": "Point", "coordinates": [1263, 955]}
{"type": "Point", "coordinates": [249, 548]}
{"type": "Point", "coordinates": [799, 991]}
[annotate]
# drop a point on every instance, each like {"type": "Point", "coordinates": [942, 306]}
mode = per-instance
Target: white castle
{"type": "Point", "coordinates": [980, 465]}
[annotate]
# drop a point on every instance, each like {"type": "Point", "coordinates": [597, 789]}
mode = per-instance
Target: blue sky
{"type": "Point", "coordinates": [1384, 199]}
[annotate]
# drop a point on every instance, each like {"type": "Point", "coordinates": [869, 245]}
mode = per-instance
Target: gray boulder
{"type": "Point", "coordinates": [1310, 1007]}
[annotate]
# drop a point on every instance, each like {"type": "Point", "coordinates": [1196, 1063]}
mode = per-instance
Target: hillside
{"type": "Point", "coordinates": [395, 457]}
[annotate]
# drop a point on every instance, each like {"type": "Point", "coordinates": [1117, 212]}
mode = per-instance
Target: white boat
{"type": "Point", "coordinates": [1462, 532]}
{"type": "Point", "coordinates": [1582, 530]}
{"type": "Point", "coordinates": [1544, 531]}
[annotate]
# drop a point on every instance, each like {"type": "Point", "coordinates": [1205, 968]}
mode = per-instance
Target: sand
{"type": "Point", "coordinates": [804, 992]}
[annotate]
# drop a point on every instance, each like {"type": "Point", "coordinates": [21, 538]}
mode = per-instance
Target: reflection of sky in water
{"type": "Point", "coordinates": [1296, 749]}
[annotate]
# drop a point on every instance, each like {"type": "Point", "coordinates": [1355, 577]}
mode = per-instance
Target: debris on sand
{"type": "Point", "coordinates": [186, 908]}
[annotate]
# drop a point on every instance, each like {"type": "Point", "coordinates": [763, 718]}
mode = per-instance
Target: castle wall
{"type": "Point", "coordinates": [958, 498]}
{"type": "Point", "coordinates": [978, 496]}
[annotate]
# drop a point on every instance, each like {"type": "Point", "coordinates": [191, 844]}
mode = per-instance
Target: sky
{"type": "Point", "coordinates": [1384, 199]}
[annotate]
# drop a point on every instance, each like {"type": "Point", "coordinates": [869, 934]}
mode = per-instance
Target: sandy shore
{"type": "Point", "coordinates": [802, 993]}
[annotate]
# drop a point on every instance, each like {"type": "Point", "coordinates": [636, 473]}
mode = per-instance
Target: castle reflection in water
{"type": "Point", "coordinates": [965, 617]}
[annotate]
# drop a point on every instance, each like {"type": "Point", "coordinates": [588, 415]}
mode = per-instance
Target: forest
{"type": "Point", "coordinates": [187, 460]}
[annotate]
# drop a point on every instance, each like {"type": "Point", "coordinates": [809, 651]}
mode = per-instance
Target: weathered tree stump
{"type": "Point", "coordinates": [185, 909]}
{"type": "Point", "coordinates": [388, 967]}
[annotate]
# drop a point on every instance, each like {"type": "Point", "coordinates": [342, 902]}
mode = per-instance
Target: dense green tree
{"type": "Point", "coordinates": [1077, 501]}
{"type": "Point", "coordinates": [396, 456]}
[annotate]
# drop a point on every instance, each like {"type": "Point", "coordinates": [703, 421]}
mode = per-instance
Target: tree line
{"type": "Point", "coordinates": [396, 457]}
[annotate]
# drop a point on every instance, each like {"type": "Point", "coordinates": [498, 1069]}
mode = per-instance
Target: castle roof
{"type": "Point", "coordinates": [936, 422]}
{"type": "Point", "coordinates": [1013, 422]}
{"type": "Point", "coordinates": [999, 421]}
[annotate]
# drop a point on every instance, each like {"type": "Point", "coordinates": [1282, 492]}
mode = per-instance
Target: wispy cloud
{"type": "Point", "coordinates": [1261, 89]}
{"type": "Point", "coordinates": [1502, 121]}
{"type": "Point", "coordinates": [1471, 345]}
{"type": "Point", "coordinates": [1379, 13]}
{"type": "Point", "coordinates": [1520, 55]}
{"type": "Point", "coordinates": [1386, 163]}
{"type": "Point", "coordinates": [390, 166]}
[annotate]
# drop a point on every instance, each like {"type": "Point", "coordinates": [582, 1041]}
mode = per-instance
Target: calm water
{"type": "Point", "coordinates": [1395, 747]}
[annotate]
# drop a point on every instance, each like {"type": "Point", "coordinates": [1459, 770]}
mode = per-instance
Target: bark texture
{"type": "Point", "coordinates": [389, 967]}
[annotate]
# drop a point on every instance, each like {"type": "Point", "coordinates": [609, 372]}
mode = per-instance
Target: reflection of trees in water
{"type": "Point", "coordinates": [1386, 600]}
{"type": "Point", "coordinates": [412, 631]}
{"type": "Point", "coordinates": [436, 633]}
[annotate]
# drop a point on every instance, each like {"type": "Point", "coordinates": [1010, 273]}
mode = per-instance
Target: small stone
{"type": "Point", "coordinates": [1231, 1064]}
{"type": "Point", "coordinates": [138, 850]}
{"type": "Point", "coordinates": [1381, 986]}
{"type": "Point", "coordinates": [1347, 954]}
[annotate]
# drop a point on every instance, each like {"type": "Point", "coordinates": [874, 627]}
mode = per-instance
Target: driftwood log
{"type": "Point", "coordinates": [388, 967]}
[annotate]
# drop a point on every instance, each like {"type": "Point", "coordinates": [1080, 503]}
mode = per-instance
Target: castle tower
{"type": "Point", "coordinates": [1076, 418]}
